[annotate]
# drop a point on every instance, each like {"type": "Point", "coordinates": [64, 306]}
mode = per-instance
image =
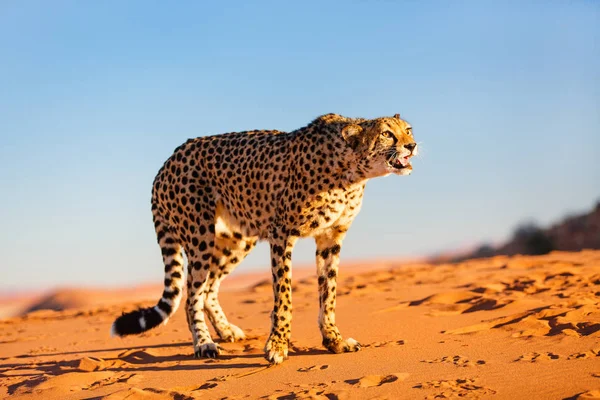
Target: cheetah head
{"type": "Point", "coordinates": [384, 145]}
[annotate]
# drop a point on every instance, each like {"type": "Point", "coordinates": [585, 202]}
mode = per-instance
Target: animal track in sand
{"type": "Point", "coordinates": [90, 364]}
{"type": "Point", "coordinates": [589, 395]}
{"type": "Point", "coordinates": [455, 388]}
{"type": "Point", "coordinates": [208, 385]}
{"type": "Point", "coordinates": [585, 354]}
{"type": "Point", "coordinates": [313, 368]}
{"type": "Point", "coordinates": [139, 356]}
{"type": "Point", "coordinates": [577, 315]}
{"type": "Point", "coordinates": [128, 378]}
{"type": "Point", "coordinates": [377, 380]}
{"type": "Point", "coordinates": [574, 318]}
{"type": "Point", "coordinates": [148, 394]}
{"type": "Point", "coordinates": [457, 360]}
{"type": "Point", "coordinates": [536, 357]}
{"type": "Point", "coordinates": [460, 302]}
{"type": "Point", "coordinates": [42, 349]}
{"type": "Point", "coordinates": [60, 386]}
{"type": "Point", "coordinates": [294, 348]}
{"type": "Point", "coordinates": [391, 343]}
{"type": "Point", "coordinates": [305, 394]}
{"type": "Point", "coordinates": [361, 285]}
{"type": "Point", "coordinates": [252, 345]}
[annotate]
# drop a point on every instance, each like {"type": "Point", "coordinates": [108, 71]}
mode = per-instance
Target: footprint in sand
{"type": "Point", "coordinates": [301, 349]}
{"type": "Point", "coordinates": [139, 356]}
{"type": "Point", "coordinates": [90, 364]}
{"type": "Point", "coordinates": [377, 380]}
{"type": "Point", "coordinates": [536, 357]}
{"type": "Point", "coordinates": [391, 343]}
{"type": "Point", "coordinates": [220, 378]}
{"type": "Point", "coordinates": [455, 388]}
{"type": "Point", "coordinates": [589, 395]}
{"type": "Point", "coordinates": [313, 368]}
{"type": "Point", "coordinates": [252, 345]}
{"type": "Point", "coordinates": [61, 385]}
{"type": "Point", "coordinates": [207, 385]}
{"type": "Point", "coordinates": [42, 349]}
{"type": "Point", "coordinates": [578, 315]}
{"type": "Point", "coordinates": [248, 348]}
{"type": "Point", "coordinates": [313, 394]}
{"type": "Point", "coordinates": [585, 354]}
{"type": "Point", "coordinates": [148, 394]}
{"type": "Point", "coordinates": [116, 378]}
{"type": "Point", "coordinates": [309, 385]}
{"type": "Point", "coordinates": [571, 319]}
{"type": "Point", "coordinates": [457, 360]}
{"type": "Point", "coordinates": [461, 302]}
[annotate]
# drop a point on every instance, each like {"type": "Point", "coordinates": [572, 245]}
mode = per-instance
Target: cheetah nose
{"type": "Point", "coordinates": [410, 146]}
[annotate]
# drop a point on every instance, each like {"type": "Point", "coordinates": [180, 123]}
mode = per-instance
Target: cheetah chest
{"type": "Point", "coordinates": [333, 208]}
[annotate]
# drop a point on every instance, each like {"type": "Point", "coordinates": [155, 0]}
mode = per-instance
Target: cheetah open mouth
{"type": "Point", "coordinates": [399, 162]}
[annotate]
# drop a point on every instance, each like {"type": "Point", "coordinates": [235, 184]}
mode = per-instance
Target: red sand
{"type": "Point", "coordinates": [503, 328]}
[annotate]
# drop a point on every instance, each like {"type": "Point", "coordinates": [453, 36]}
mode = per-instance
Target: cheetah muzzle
{"type": "Point", "coordinates": [216, 196]}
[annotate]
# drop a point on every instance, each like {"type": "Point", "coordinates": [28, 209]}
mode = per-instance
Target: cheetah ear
{"type": "Point", "coordinates": [351, 134]}
{"type": "Point", "coordinates": [397, 116]}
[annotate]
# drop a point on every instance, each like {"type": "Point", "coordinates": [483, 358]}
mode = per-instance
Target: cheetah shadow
{"type": "Point", "coordinates": [144, 361]}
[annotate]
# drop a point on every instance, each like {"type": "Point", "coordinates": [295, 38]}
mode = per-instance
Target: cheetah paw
{"type": "Point", "coordinates": [342, 345]}
{"type": "Point", "coordinates": [276, 352]}
{"type": "Point", "coordinates": [232, 334]}
{"type": "Point", "coordinates": [207, 350]}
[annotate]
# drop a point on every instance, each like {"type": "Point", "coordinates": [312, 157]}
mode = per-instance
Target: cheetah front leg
{"type": "Point", "coordinates": [281, 318]}
{"type": "Point", "coordinates": [328, 257]}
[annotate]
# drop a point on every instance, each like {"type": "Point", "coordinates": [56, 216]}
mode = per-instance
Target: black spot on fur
{"type": "Point", "coordinates": [168, 251]}
{"type": "Point", "coordinates": [335, 249]}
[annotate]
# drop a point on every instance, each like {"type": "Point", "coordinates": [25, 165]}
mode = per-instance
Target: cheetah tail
{"type": "Point", "coordinates": [144, 319]}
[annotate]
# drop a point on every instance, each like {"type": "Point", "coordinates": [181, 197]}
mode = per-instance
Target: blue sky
{"type": "Point", "coordinates": [94, 96]}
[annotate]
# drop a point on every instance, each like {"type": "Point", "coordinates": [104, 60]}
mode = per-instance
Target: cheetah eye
{"type": "Point", "coordinates": [409, 131]}
{"type": "Point", "coordinates": [387, 134]}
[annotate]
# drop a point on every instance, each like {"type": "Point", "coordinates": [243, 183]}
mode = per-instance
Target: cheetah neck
{"type": "Point", "coordinates": [323, 155]}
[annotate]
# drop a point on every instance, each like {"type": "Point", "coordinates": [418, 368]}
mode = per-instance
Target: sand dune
{"type": "Point", "coordinates": [505, 328]}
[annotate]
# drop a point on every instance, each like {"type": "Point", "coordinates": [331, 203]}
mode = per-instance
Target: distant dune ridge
{"type": "Point", "coordinates": [518, 327]}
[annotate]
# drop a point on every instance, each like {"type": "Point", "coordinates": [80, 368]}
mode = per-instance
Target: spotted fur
{"type": "Point", "coordinates": [216, 196]}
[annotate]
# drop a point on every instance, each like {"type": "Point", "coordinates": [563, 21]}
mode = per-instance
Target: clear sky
{"type": "Point", "coordinates": [503, 96]}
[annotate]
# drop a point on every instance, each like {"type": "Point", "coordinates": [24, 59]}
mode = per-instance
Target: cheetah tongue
{"type": "Point", "coordinates": [402, 161]}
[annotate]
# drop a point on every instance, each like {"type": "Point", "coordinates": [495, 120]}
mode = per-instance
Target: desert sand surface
{"type": "Point", "coordinates": [519, 327]}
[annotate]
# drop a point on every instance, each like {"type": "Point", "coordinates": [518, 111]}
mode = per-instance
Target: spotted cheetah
{"type": "Point", "coordinates": [216, 196]}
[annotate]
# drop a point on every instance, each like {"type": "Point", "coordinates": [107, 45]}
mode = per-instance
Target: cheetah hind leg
{"type": "Point", "coordinates": [231, 249]}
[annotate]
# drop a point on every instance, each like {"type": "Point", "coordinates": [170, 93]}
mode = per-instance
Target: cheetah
{"type": "Point", "coordinates": [216, 196]}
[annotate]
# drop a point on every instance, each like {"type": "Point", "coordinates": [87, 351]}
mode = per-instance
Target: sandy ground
{"type": "Point", "coordinates": [503, 328]}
